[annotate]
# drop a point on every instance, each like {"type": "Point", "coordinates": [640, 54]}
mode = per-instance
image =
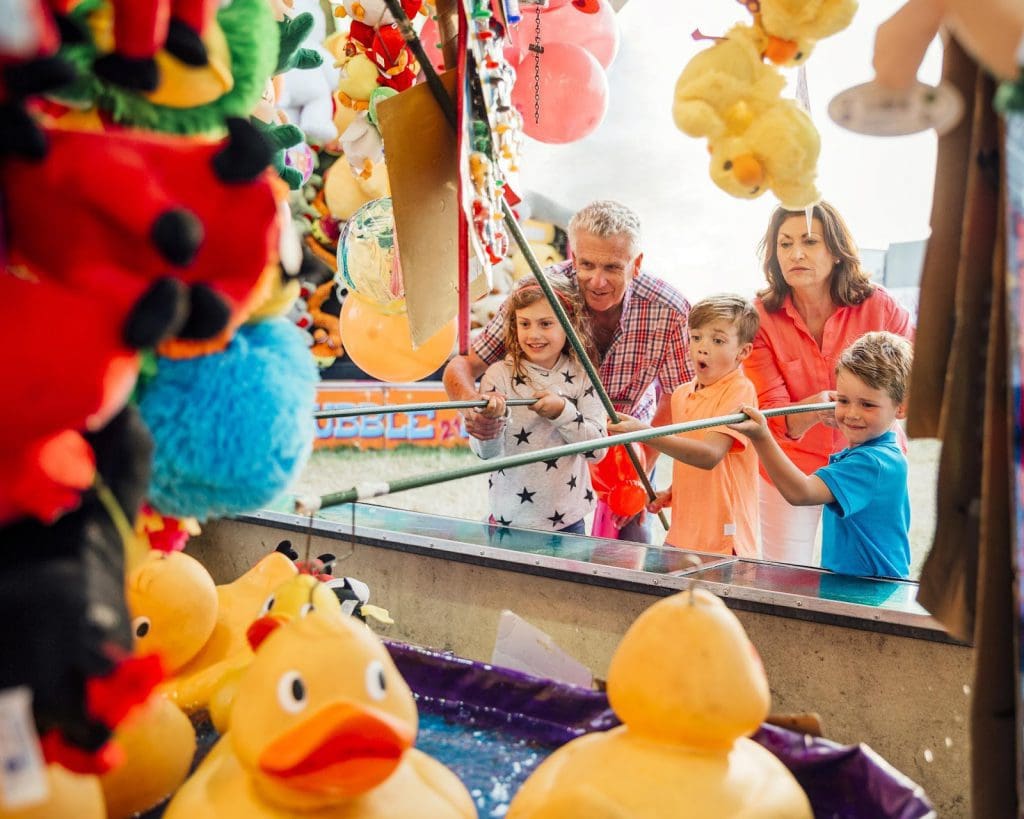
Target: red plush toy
{"type": "Point", "coordinates": [45, 463]}
{"type": "Point", "coordinates": [175, 232]}
{"type": "Point", "coordinates": [393, 58]}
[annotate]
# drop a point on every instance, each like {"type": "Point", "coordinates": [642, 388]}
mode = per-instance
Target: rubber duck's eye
{"type": "Point", "coordinates": [306, 609]}
{"type": "Point", "coordinates": [798, 56]}
{"type": "Point", "coordinates": [268, 604]}
{"type": "Point", "coordinates": [140, 626]}
{"type": "Point", "coordinates": [291, 692]}
{"type": "Point", "coordinates": [728, 165]}
{"type": "Point", "coordinates": [376, 682]}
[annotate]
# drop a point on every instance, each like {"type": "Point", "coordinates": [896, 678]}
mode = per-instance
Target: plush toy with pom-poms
{"type": "Point", "coordinates": [142, 28]}
{"type": "Point", "coordinates": [789, 29]}
{"type": "Point", "coordinates": [174, 232]}
{"type": "Point", "coordinates": [242, 42]}
{"type": "Point", "coordinates": [777, 152]}
{"type": "Point", "coordinates": [233, 429]}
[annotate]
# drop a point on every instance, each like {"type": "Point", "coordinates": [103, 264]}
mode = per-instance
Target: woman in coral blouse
{"type": "Point", "coordinates": [819, 300]}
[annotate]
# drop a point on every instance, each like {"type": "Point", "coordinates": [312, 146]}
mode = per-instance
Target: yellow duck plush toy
{"type": "Point", "coordinates": [322, 727]}
{"type": "Point", "coordinates": [789, 29]}
{"type": "Point", "coordinates": [689, 688]}
{"type": "Point", "coordinates": [777, 152]}
{"type": "Point", "coordinates": [723, 88]}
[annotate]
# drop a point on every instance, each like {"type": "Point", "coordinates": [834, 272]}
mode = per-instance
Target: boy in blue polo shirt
{"type": "Point", "coordinates": [864, 487]}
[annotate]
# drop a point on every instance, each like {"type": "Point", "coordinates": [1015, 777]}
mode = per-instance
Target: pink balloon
{"type": "Point", "coordinates": [598, 33]}
{"type": "Point", "coordinates": [573, 94]}
{"type": "Point", "coordinates": [430, 36]}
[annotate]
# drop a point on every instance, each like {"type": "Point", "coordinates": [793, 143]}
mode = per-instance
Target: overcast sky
{"type": "Point", "coordinates": [697, 236]}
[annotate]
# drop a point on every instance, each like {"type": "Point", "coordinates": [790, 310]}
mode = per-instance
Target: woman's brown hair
{"type": "Point", "coordinates": [850, 284]}
{"type": "Point", "coordinates": [528, 292]}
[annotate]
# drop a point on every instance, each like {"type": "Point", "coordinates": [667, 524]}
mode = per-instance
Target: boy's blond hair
{"type": "Point", "coordinates": [735, 309]}
{"type": "Point", "coordinates": [881, 360]}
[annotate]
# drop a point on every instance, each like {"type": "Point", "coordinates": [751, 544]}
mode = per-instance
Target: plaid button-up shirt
{"type": "Point", "coordinates": [648, 355]}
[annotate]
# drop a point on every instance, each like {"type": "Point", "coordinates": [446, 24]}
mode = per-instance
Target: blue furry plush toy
{"type": "Point", "coordinates": [232, 429]}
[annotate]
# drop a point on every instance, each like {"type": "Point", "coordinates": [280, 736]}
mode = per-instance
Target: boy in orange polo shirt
{"type": "Point", "coordinates": [714, 506]}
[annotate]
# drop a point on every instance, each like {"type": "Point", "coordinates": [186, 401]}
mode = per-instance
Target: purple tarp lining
{"type": "Point", "coordinates": [842, 781]}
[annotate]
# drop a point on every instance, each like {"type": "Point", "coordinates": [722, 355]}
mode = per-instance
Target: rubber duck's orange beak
{"type": "Point", "coordinates": [343, 750]}
{"type": "Point", "coordinates": [780, 51]}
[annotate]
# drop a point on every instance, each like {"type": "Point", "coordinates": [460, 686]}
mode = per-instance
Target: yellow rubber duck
{"type": "Point", "coordinates": [173, 603]}
{"type": "Point", "coordinates": [296, 597]}
{"type": "Point", "coordinates": [322, 727]}
{"type": "Point", "coordinates": [689, 687]}
{"type": "Point", "coordinates": [159, 744]}
{"type": "Point", "coordinates": [227, 649]}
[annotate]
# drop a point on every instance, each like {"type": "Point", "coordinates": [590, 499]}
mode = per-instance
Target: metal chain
{"type": "Point", "coordinates": [537, 50]}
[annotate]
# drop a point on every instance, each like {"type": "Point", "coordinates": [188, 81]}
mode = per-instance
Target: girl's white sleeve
{"type": "Point", "coordinates": [495, 447]}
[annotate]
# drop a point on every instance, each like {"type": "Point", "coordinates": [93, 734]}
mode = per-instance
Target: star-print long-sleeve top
{"type": "Point", "coordinates": [550, 494]}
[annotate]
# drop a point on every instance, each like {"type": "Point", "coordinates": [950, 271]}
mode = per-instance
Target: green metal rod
{"type": "Point", "coordinates": [577, 345]}
{"type": "Point", "coordinates": [386, 409]}
{"type": "Point", "coordinates": [442, 98]}
{"type": "Point", "coordinates": [375, 489]}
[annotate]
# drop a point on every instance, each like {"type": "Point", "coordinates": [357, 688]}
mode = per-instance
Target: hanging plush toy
{"type": "Point", "coordinates": [67, 633]}
{"type": "Point", "coordinates": [243, 45]}
{"type": "Point", "coordinates": [147, 221]}
{"type": "Point", "coordinates": [306, 92]}
{"type": "Point", "coordinates": [778, 151]}
{"type": "Point", "coordinates": [789, 29]}
{"type": "Point", "coordinates": [143, 27]}
{"type": "Point", "coordinates": [724, 87]}
{"type": "Point", "coordinates": [258, 394]}
{"type": "Point", "coordinates": [758, 140]}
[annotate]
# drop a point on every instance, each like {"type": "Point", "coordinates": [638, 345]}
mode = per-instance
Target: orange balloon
{"type": "Point", "coordinates": [380, 343]}
{"type": "Point", "coordinates": [627, 498]}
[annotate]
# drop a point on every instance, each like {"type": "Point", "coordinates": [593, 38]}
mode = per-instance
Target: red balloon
{"type": "Point", "coordinates": [627, 498]}
{"type": "Point", "coordinates": [573, 94]}
{"type": "Point", "coordinates": [597, 32]}
{"type": "Point", "coordinates": [613, 469]}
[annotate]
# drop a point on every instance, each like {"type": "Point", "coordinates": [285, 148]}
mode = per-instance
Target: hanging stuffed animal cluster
{"type": "Point", "coordinates": [144, 231]}
{"type": "Point", "coordinates": [729, 95]}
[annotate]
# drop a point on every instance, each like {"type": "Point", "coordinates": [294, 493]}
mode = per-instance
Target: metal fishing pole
{"type": "Point", "coordinates": [375, 489]}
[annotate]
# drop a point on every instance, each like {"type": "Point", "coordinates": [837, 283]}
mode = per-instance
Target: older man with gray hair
{"type": "Point", "coordinates": [639, 324]}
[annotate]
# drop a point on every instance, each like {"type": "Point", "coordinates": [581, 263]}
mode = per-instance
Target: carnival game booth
{"type": "Point", "coordinates": [184, 148]}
